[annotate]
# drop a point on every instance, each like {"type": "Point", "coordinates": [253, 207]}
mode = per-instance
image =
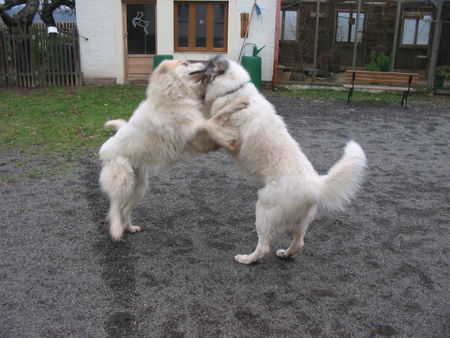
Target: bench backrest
{"type": "Point", "coordinates": [385, 78]}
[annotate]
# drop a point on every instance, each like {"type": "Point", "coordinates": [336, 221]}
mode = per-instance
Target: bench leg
{"type": "Point", "coordinates": [350, 94]}
{"type": "Point", "coordinates": [405, 99]}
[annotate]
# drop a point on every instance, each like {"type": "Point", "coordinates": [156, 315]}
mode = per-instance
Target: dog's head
{"type": "Point", "coordinates": [211, 69]}
{"type": "Point", "coordinates": [218, 76]}
{"type": "Point", "coordinates": [173, 77]}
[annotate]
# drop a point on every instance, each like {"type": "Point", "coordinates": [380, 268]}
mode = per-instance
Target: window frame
{"type": "Point", "coordinates": [192, 27]}
{"type": "Point", "coordinates": [409, 15]}
{"type": "Point", "coordinates": [353, 15]}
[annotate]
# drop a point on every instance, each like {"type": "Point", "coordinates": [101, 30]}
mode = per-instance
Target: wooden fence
{"type": "Point", "coordinates": [33, 58]}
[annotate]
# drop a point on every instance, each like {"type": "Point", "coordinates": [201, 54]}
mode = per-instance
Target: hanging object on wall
{"type": "Point", "coordinates": [257, 9]}
{"type": "Point", "coordinates": [244, 25]}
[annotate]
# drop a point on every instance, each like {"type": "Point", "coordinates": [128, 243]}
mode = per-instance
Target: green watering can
{"type": "Point", "coordinates": [255, 50]}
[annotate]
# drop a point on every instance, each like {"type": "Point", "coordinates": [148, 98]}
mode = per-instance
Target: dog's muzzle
{"type": "Point", "coordinates": [198, 71]}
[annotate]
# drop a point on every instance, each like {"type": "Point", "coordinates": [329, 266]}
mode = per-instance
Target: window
{"type": "Point", "coordinates": [201, 26]}
{"type": "Point", "coordinates": [288, 24]}
{"type": "Point", "coordinates": [416, 30]}
{"type": "Point", "coordinates": [346, 26]}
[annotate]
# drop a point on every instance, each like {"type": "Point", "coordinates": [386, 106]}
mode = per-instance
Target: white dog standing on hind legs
{"type": "Point", "coordinates": [263, 148]}
{"type": "Point", "coordinates": [163, 130]}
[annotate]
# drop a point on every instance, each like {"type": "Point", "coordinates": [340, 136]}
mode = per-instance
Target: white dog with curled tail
{"type": "Point", "coordinates": [262, 147]}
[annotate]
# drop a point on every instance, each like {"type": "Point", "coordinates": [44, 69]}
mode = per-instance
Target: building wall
{"type": "Point", "coordinates": [95, 21]}
{"type": "Point", "coordinates": [101, 21]}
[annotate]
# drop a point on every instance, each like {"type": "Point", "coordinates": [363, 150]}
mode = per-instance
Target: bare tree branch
{"type": "Point", "coordinates": [6, 6]}
{"type": "Point", "coordinates": [49, 6]}
{"type": "Point", "coordinates": [11, 3]}
{"type": "Point", "coordinates": [24, 17]}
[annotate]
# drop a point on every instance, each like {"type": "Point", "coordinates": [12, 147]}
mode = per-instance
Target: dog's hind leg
{"type": "Point", "coordinates": [139, 188]}
{"type": "Point", "coordinates": [264, 229]}
{"type": "Point", "coordinates": [299, 232]}
{"type": "Point", "coordinates": [116, 227]}
{"type": "Point", "coordinates": [117, 180]}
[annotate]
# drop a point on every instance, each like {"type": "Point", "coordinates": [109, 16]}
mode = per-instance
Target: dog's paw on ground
{"type": "Point", "coordinates": [243, 259]}
{"type": "Point", "coordinates": [134, 228]}
{"type": "Point", "coordinates": [281, 253]}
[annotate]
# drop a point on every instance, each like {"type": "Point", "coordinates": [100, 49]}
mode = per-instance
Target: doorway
{"type": "Point", "coordinates": [140, 38]}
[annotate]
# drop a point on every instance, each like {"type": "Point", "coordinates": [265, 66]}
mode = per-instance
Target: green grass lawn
{"type": "Point", "coordinates": [358, 96]}
{"type": "Point", "coordinates": [65, 120]}
{"type": "Point", "coordinates": [62, 119]}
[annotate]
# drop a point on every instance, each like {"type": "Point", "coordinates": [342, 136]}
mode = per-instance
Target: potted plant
{"type": "Point", "coordinates": [442, 73]}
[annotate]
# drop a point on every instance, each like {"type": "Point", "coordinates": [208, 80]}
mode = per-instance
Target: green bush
{"type": "Point", "coordinates": [443, 71]}
{"type": "Point", "coordinates": [378, 62]}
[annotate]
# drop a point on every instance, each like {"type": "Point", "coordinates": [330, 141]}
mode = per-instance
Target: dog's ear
{"type": "Point", "coordinates": [163, 67]}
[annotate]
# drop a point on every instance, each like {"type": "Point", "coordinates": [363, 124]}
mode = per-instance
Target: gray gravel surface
{"type": "Point", "coordinates": [379, 269]}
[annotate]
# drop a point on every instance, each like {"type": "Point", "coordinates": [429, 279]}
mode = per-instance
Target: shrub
{"type": "Point", "coordinates": [443, 71]}
{"type": "Point", "coordinates": [378, 62]}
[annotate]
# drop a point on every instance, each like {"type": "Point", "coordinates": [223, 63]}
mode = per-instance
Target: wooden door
{"type": "Point", "coordinates": [140, 38]}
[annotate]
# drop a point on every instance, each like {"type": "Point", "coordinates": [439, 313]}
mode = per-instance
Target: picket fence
{"type": "Point", "coordinates": [33, 58]}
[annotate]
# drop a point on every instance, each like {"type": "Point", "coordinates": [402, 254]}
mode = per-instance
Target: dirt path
{"type": "Point", "coordinates": [379, 269]}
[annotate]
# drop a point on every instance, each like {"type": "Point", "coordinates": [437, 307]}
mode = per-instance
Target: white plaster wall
{"type": "Point", "coordinates": [96, 21]}
{"type": "Point", "coordinates": [164, 27]}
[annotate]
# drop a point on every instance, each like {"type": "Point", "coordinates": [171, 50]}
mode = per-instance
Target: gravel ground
{"type": "Point", "coordinates": [379, 269]}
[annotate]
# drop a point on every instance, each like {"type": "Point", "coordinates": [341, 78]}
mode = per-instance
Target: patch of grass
{"type": "Point", "coordinates": [55, 120]}
{"type": "Point", "coordinates": [34, 175]}
{"type": "Point", "coordinates": [8, 179]}
{"type": "Point", "coordinates": [358, 96]}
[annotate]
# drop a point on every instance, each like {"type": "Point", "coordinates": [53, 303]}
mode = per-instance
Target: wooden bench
{"type": "Point", "coordinates": [385, 81]}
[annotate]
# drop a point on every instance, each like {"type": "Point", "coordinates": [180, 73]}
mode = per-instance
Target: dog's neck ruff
{"type": "Point", "coordinates": [236, 89]}
{"type": "Point", "coordinates": [231, 91]}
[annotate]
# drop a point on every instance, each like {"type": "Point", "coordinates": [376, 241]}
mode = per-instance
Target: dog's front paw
{"type": "Point", "coordinates": [243, 259]}
{"type": "Point", "coordinates": [242, 104]}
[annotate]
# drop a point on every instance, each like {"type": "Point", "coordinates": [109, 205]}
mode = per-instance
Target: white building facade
{"type": "Point", "coordinates": [119, 38]}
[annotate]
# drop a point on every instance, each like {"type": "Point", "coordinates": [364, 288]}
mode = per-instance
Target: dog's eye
{"type": "Point", "coordinates": [186, 63]}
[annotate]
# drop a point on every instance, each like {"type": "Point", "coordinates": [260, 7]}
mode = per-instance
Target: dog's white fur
{"type": "Point", "coordinates": [293, 190]}
{"type": "Point", "coordinates": [162, 131]}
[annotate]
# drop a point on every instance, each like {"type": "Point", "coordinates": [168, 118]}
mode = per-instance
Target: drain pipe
{"type": "Point", "coordinates": [275, 80]}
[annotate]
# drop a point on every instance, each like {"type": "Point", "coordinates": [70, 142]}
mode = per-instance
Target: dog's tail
{"type": "Point", "coordinates": [343, 180]}
{"type": "Point", "coordinates": [115, 124]}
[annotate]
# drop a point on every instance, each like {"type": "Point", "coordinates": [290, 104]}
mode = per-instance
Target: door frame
{"type": "Point", "coordinates": [125, 30]}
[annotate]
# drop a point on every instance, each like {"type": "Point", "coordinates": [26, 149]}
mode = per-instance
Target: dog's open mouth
{"type": "Point", "coordinates": [198, 71]}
